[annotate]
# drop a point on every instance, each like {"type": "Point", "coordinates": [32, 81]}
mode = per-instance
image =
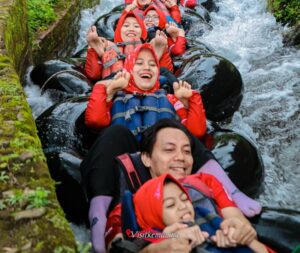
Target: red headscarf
{"type": "Point", "coordinates": [148, 202]}
{"type": "Point", "coordinates": [129, 64]}
{"type": "Point", "coordinates": [162, 16]}
{"type": "Point", "coordinates": [124, 15]}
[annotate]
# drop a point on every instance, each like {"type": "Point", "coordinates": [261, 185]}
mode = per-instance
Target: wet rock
{"type": "Point", "coordinates": [292, 38]}
{"type": "Point", "coordinates": [26, 156]}
{"type": "Point", "coordinates": [30, 214]}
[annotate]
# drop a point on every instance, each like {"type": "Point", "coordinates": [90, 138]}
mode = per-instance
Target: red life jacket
{"type": "Point", "coordinates": [114, 55]}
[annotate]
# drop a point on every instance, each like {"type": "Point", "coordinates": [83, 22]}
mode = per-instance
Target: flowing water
{"type": "Point", "coordinates": [247, 35]}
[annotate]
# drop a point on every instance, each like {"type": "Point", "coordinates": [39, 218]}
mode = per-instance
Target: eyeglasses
{"type": "Point", "coordinates": [154, 17]}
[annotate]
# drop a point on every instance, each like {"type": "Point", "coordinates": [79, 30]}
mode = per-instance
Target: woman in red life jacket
{"type": "Point", "coordinates": [168, 205]}
{"type": "Point", "coordinates": [155, 18]}
{"type": "Point", "coordinates": [169, 7]}
{"type": "Point", "coordinates": [141, 76]}
{"type": "Point", "coordinates": [130, 32]}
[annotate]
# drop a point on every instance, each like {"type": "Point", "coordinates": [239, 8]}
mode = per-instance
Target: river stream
{"type": "Point", "coordinates": [247, 35]}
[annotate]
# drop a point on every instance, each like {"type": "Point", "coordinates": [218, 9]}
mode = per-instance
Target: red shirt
{"type": "Point", "coordinates": [97, 114]}
{"type": "Point", "coordinates": [114, 222]}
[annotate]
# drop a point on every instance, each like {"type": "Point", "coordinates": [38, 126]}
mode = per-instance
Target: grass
{"type": "Point", "coordinates": [287, 11]}
{"type": "Point", "coordinates": [40, 14]}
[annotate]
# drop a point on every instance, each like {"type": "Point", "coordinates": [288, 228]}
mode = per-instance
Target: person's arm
{"type": "Point", "coordinates": [93, 65]}
{"type": "Point", "coordinates": [196, 118]}
{"type": "Point", "coordinates": [258, 247]}
{"type": "Point", "coordinates": [97, 114]}
{"type": "Point", "coordinates": [173, 245]}
{"type": "Point", "coordinates": [195, 115]}
{"type": "Point", "coordinates": [173, 9]}
{"type": "Point", "coordinates": [178, 48]}
{"type": "Point", "coordinates": [175, 13]}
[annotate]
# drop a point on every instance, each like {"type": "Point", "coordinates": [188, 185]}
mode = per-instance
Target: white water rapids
{"type": "Point", "coordinates": [247, 35]}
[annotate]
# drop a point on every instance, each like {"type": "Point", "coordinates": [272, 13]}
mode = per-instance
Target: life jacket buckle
{"type": "Point", "coordinates": [139, 108]}
{"type": "Point", "coordinates": [121, 56]}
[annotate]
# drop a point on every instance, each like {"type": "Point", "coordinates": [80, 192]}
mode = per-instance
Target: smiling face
{"type": "Point", "coordinates": [130, 29]}
{"type": "Point", "coordinates": [145, 70]}
{"type": "Point", "coordinates": [171, 154]}
{"type": "Point", "coordinates": [151, 19]}
{"type": "Point", "coordinates": [176, 205]}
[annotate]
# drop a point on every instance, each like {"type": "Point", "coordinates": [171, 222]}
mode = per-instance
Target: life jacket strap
{"type": "Point", "coordinates": [120, 56]}
{"type": "Point", "coordinates": [131, 173]}
{"type": "Point", "coordinates": [140, 108]}
{"type": "Point", "coordinates": [134, 42]}
{"type": "Point", "coordinates": [139, 130]}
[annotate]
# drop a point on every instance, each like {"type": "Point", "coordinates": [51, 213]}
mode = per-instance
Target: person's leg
{"type": "Point", "coordinates": [100, 177]}
{"type": "Point", "coordinates": [205, 162]}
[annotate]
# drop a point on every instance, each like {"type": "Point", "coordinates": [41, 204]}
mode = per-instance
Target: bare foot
{"type": "Point", "coordinates": [119, 82]}
{"type": "Point", "coordinates": [95, 42]}
{"type": "Point", "coordinates": [183, 91]}
{"type": "Point", "coordinates": [159, 43]}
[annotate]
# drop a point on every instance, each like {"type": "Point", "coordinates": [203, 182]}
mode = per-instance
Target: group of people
{"type": "Point", "coordinates": [135, 115]}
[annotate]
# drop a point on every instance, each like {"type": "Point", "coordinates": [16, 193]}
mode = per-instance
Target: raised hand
{"type": "Point", "coordinates": [182, 90]}
{"type": "Point", "coordinates": [159, 43]}
{"type": "Point", "coordinates": [95, 42]}
{"type": "Point", "coordinates": [172, 29]}
{"type": "Point", "coordinates": [169, 3]}
{"type": "Point", "coordinates": [119, 82]}
{"type": "Point", "coordinates": [131, 6]}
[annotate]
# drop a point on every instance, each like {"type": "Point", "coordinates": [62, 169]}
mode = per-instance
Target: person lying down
{"type": "Point", "coordinates": [162, 205]}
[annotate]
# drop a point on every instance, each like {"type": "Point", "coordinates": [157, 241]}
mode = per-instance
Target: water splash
{"type": "Point", "coordinates": [246, 34]}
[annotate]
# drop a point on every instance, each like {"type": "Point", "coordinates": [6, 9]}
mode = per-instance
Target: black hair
{"type": "Point", "coordinates": [149, 136]}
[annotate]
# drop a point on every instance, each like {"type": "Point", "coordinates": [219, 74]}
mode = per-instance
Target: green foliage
{"type": "Point", "coordinates": [16, 199]}
{"type": "Point", "coordinates": [40, 14]}
{"type": "Point", "coordinates": [83, 247]}
{"type": "Point", "coordinates": [3, 176]}
{"type": "Point", "coordinates": [38, 198]}
{"type": "Point", "coordinates": [287, 11]}
{"type": "Point", "coordinates": [2, 205]}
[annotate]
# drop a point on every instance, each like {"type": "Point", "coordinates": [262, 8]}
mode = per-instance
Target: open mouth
{"type": "Point", "coordinates": [146, 76]}
{"type": "Point", "coordinates": [131, 34]}
{"type": "Point", "coordinates": [187, 217]}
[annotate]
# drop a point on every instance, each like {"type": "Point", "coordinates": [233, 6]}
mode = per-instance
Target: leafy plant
{"type": "Point", "coordinates": [38, 198]}
{"type": "Point", "coordinates": [16, 199]}
{"type": "Point", "coordinates": [3, 176]}
{"type": "Point", "coordinates": [83, 247]}
{"type": "Point", "coordinates": [2, 205]}
{"type": "Point", "coordinates": [40, 14]}
{"type": "Point", "coordinates": [287, 11]}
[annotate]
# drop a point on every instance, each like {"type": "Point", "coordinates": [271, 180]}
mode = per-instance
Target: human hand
{"type": "Point", "coordinates": [173, 245]}
{"type": "Point", "coordinates": [169, 3]}
{"type": "Point", "coordinates": [172, 29]}
{"type": "Point", "coordinates": [182, 90]}
{"type": "Point", "coordinates": [160, 39]}
{"type": "Point", "coordinates": [119, 82]}
{"type": "Point", "coordinates": [95, 42]}
{"type": "Point", "coordinates": [222, 240]}
{"type": "Point", "coordinates": [239, 231]}
{"type": "Point", "coordinates": [131, 6]}
{"type": "Point", "coordinates": [159, 43]}
{"type": "Point", "coordinates": [193, 234]}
